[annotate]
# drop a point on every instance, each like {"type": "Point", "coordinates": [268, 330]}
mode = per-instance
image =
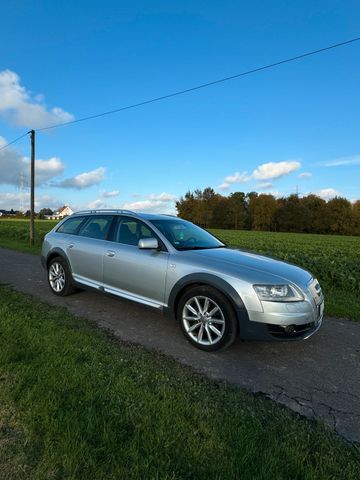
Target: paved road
{"type": "Point", "coordinates": [319, 378]}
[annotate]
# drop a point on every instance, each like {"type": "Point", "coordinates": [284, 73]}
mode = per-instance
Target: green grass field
{"type": "Point", "coordinates": [74, 405]}
{"type": "Point", "coordinates": [334, 260]}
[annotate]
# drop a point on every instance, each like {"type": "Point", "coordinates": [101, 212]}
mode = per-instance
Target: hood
{"type": "Point", "coordinates": [237, 261]}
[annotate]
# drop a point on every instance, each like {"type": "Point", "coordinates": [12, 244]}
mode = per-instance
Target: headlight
{"type": "Point", "coordinates": [278, 293]}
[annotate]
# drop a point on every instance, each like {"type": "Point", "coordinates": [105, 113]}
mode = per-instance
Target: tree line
{"type": "Point", "coordinates": [264, 212]}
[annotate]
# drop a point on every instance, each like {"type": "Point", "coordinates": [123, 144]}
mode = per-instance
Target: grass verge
{"type": "Point", "coordinates": [81, 407]}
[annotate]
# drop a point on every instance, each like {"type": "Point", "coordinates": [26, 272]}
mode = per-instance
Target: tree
{"type": "Point", "coordinates": [264, 210]}
{"type": "Point", "coordinates": [291, 214]}
{"type": "Point", "coordinates": [45, 211]}
{"type": "Point", "coordinates": [316, 214]}
{"type": "Point", "coordinates": [356, 217]}
{"type": "Point", "coordinates": [310, 214]}
{"type": "Point", "coordinates": [235, 214]}
{"type": "Point", "coordinates": [339, 212]}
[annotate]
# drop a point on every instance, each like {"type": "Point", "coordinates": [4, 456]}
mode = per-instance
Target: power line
{"type": "Point", "coordinates": [204, 85]}
{"type": "Point", "coordinates": [13, 141]}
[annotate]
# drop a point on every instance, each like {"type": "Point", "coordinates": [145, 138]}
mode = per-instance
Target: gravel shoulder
{"type": "Point", "coordinates": [318, 378]}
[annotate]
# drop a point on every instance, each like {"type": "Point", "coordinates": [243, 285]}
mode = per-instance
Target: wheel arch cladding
{"type": "Point", "coordinates": [207, 279]}
{"type": "Point", "coordinates": [55, 253]}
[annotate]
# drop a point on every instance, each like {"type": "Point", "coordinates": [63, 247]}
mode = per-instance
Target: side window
{"type": "Point", "coordinates": [71, 225]}
{"type": "Point", "coordinates": [96, 227]}
{"type": "Point", "coordinates": [130, 231]}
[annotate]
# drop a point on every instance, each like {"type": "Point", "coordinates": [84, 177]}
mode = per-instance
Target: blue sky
{"type": "Point", "coordinates": [293, 127]}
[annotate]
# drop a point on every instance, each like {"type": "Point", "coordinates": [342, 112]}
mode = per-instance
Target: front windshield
{"type": "Point", "coordinates": [184, 235]}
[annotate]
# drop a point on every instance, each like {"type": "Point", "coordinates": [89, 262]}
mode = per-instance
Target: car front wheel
{"type": "Point", "coordinates": [207, 318]}
{"type": "Point", "coordinates": [59, 277]}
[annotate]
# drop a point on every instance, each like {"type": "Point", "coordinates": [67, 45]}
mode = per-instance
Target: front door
{"type": "Point", "coordinates": [131, 272]}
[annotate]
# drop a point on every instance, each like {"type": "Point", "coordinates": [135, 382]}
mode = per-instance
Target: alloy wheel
{"type": "Point", "coordinates": [203, 320]}
{"type": "Point", "coordinates": [57, 277]}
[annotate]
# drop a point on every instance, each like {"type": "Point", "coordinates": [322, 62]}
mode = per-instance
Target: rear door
{"type": "Point", "coordinates": [132, 272]}
{"type": "Point", "coordinates": [86, 250]}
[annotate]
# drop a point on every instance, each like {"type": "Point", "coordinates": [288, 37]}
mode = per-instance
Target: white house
{"type": "Point", "coordinates": [61, 213]}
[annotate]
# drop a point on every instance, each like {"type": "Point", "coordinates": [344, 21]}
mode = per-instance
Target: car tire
{"type": "Point", "coordinates": [59, 277]}
{"type": "Point", "coordinates": [207, 318]}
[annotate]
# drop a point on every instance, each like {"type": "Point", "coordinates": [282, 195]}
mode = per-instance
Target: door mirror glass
{"type": "Point", "coordinates": [148, 243]}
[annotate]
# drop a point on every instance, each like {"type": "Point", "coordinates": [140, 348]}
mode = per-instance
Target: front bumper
{"type": "Point", "coordinates": [267, 331]}
{"type": "Point", "coordinates": [285, 321]}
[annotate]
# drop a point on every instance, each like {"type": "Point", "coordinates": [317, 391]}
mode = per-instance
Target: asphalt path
{"type": "Point", "coordinates": [318, 378]}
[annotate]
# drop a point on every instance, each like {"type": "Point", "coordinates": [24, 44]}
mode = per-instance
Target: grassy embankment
{"type": "Point", "coordinates": [75, 406]}
{"type": "Point", "coordinates": [335, 260]}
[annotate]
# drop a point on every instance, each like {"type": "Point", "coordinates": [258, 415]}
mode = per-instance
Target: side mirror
{"type": "Point", "coordinates": [148, 243]}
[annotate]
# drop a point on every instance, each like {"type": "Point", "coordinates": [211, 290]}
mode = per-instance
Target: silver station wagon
{"type": "Point", "coordinates": [215, 292]}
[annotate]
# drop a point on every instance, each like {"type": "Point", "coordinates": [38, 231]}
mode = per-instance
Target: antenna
{"type": "Point", "coordinates": [297, 193]}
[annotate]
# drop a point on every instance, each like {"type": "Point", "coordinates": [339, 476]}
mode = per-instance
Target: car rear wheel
{"type": "Point", "coordinates": [207, 318]}
{"type": "Point", "coordinates": [59, 277]}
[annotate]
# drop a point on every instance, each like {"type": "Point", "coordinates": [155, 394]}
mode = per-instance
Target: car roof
{"type": "Point", "coordinates": [145, 216]}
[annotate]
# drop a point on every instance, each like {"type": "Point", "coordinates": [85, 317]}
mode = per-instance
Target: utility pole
{"type": "Point", "coordinates": [32, 189]}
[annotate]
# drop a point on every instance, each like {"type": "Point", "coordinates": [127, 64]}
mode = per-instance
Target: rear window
{"type": "Point", "coordinates": [97, 227]}
{"type": "Point", "coordinates": [71, 225]}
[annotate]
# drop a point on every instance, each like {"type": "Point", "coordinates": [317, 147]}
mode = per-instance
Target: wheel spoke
{"type": "Point", "coordinates": [192, 310]}
{"type": "Point", "coordinates": [201, 332]}
{"type": "Point", "coordinates": [200, 310]}
{"type": "Point", "coordinates": [193, 327]}
{"type": "Point", "coordinates": [213, 311]}
{"type": "Point", "coordinates": [208, 333]}
{"type": "Point", "coordinates": [206, 305]}
{"type": "Point", "coordinates": [217, 320]}
{"type": "Point", "coordinates": [215, 330]}
{"type": "Point", "coordinates": [192, 319]}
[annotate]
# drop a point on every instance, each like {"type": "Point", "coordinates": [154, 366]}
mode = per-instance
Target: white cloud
{"type": "Point", "coordinates": [305, 175]}
{"type": "Point", "coordinates": [343, 161]}
{"type": "Point", "coordinates": [273, 170]}
{"type": "Point", "coordinates": [232, 179]}
{"type": "Point", "coordinates": [162, 197]}
{"type": "Point", "coordinates": [9, 200]}
{"type": "Point", "coordinates": [274, 193]}
{"type": "Point", "coordinates": [83, 180]}
{"type": "Point", "coordinates": [18, 106]}
{"type": "Point", "coordinates": [45, 170]}
{"type": "Point", "coordinates": [13, 165]}
{"type": "Point", "coordinates": [266, 171]}
{"type": "Point", "coordinates": [327, 193]}
{"type": "Point", "coordinates": [264, 185]}
{"type": "Point", "coordinates": [113, 193]}
{"type": "Point", "coordinates": [97, 204]}
{"type": "Point", "coordinates": [153, 206]}
{"type": "Point", "coordinates": [155, 203]}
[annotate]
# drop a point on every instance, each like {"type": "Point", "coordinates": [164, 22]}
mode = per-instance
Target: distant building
{"type": "Point", "coordinates": [61, 213]}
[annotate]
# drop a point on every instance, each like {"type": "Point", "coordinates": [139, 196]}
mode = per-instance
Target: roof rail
{"type": "Point", "coordinates": [107, 210]}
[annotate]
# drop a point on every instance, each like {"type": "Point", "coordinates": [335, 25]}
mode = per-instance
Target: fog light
{"type": "Point", "coordinates": [290, 329]}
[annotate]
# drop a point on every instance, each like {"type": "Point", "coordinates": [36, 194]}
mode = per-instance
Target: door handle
{"type": "Point", "coordinates": [110, 253]}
